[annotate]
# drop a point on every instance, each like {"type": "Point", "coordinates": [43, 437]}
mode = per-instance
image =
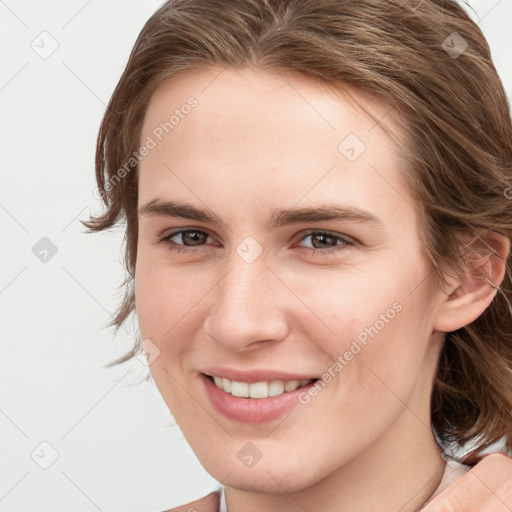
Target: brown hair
{"type": "Point", "coordinates": [456, 116]}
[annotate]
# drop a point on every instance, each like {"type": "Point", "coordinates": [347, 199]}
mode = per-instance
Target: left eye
{"type": "Point", "coordinates": [192, 238]}
{"type": "Point", "coordinates": [323, 237]}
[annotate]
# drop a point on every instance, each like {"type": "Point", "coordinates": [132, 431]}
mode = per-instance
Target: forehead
{"type": "Point", "coordinates": [267, 99]}
{"type": "Point", "coordinates": [280, 133]}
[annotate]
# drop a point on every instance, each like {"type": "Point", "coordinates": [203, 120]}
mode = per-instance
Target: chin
{"type": "Point", "coordinates": [274, 482]}
{"type": "Point", "coordinates": [271, 475]}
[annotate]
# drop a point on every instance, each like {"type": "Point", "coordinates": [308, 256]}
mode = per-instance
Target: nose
{"type": "Point", "coordinates": [248, 307]}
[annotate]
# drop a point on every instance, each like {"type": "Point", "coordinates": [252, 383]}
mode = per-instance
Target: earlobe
{"type": "Point", "coordinates": [471, 293]}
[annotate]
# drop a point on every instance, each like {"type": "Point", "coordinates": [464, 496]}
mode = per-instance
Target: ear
{"type": "Point", "coordinates": [469, 294]}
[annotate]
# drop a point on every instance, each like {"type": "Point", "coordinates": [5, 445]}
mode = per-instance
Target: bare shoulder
{"type": "Point", "coordinates": [208, 503]}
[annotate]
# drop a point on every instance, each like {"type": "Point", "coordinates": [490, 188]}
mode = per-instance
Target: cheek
{"type": "Point", "coordinates": [350, 305]}
{"type": "Point", "coordinates": [390, 363]}
{"type": "Point", "coordinates": [168, 302]}
{"type": "Point", "coordinates": [377, 368]}
{"type": "Point", "coordinates": [167, 308]}
{"type": "Point", "coordinates": [371, 327]}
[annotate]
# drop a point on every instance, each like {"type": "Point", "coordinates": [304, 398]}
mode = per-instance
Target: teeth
{"type": "Point", "coordinates": [239, 389]}
{"type": "Point", "coordinates": [258, 389]}
{"type": "Point", "coordinates": [276, 388]}
{"type": "Point", "coordinates": [292, 385]}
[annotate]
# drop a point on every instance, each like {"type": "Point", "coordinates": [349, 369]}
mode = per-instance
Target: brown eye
{"type": "Point", "coordinates": [323, 239]}
{"type": "Point", "coordinates": [193, 237]}
{"type": "Point", "coordinates": [327, 243]}
{"type": "Point", "coordinates": [185, 238]}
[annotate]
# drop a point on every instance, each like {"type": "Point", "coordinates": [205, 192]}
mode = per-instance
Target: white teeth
{"type": "Point", "coordinates": [239, 389]}
{"type": "Point", "coordinates": [292, 385]}
{"type": "Point", "coordinates": [258, 389]}
{"type": "Point", "coordinates": [276, 388]}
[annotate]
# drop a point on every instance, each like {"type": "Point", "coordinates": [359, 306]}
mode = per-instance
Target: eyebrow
{"type": "Point", "coordinates": [319, 213]}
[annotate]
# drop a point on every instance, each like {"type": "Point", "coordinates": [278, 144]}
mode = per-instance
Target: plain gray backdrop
{"type": "Point", "coordinates": [76, 436]}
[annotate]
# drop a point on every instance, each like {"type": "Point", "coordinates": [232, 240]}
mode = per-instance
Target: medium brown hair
{"type": "Point", "coordinates": [455, 114]}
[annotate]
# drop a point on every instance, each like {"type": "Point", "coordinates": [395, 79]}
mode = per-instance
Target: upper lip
{"type": "Point", "coordinates": [254, 375]}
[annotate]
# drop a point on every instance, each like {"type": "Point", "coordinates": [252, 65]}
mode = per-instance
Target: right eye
{"type": "Point", "coordinates": [189, 237]}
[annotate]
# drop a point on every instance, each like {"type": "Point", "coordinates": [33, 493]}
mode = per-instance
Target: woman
{"type": "Point", "coordinates": [318, 239]}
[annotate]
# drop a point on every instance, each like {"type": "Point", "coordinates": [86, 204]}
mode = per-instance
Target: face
{"type": "Point", "coordinates": [305, 263]}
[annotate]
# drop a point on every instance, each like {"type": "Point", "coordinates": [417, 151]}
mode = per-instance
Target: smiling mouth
{"type": "Point", "coordinates": [263, 389]}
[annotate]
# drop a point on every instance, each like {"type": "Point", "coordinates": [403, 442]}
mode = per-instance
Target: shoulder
{"type": "Point", "coordinates": [208, 503]}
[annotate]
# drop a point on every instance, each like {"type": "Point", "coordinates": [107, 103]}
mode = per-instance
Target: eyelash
{"type": "Point", "coordinates": [346, 242]}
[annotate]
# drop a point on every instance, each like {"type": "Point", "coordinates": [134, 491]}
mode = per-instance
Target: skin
{"type": "Point", "coordinates": [487, 487]}
{"type": "Point", "coordinates": [255, 143]}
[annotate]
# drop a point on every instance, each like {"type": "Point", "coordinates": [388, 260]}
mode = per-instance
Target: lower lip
{"type": "Point", "coordinates": [252, 410]}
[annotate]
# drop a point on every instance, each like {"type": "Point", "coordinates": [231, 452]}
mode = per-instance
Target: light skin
{"type": "Point", "coordinates": [259, 143]}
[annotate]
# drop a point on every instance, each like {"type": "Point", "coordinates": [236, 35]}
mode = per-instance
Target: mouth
{"type": "Point", "coordinates": [256, 405]}
{"type": "Point", "coordinates": [258, 390]}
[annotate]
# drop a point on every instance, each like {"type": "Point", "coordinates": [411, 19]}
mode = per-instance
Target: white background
{"type": "Point", "coordinates": [118, 447]}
